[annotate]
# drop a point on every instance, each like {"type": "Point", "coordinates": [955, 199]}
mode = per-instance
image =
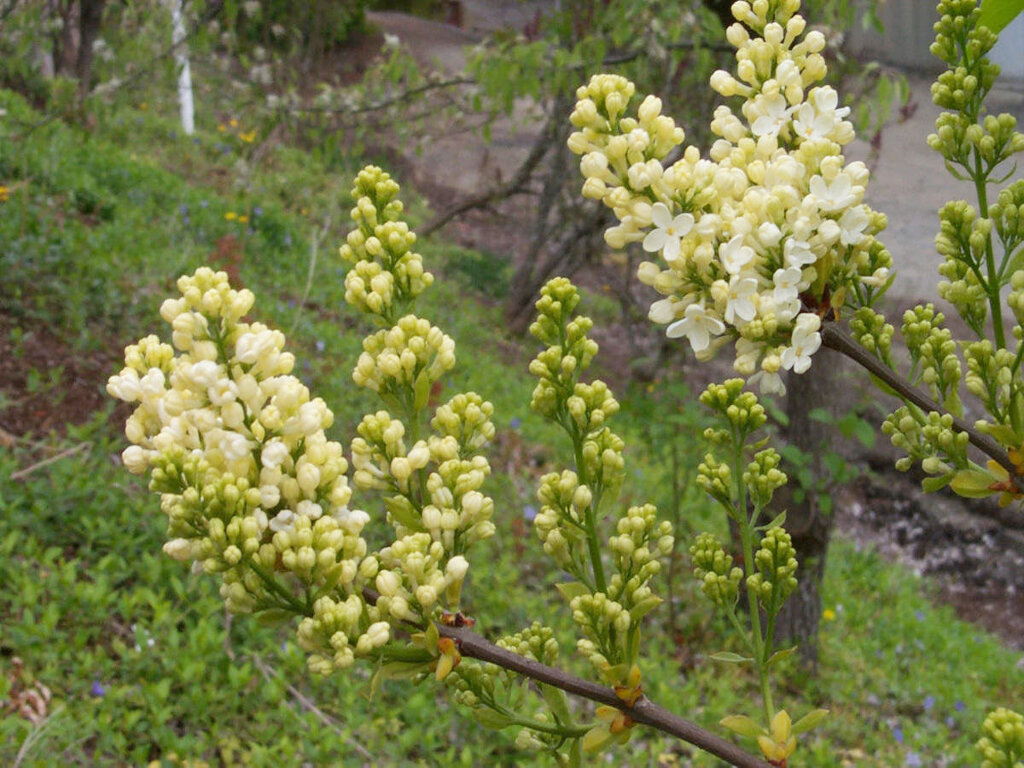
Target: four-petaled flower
{"type": "Point", "coordinates": [735, 255]}
{"type": "Point", "coordinates": [667, 232]}
{"type": "Point", "coordinates": [740, 302]}
{"type": "Point", "coordinates": [852, 224]}
{"type": "Point", "coordinates": [798, 253]}
{"type": "Point", "coordinates": [835, 195]}
{"type": "Point", "coordinates": [805, 342]}
{"type": "Point", "coordinates": [787, 284]}
{"type": "Point", "coordinates": [698, 325]}
{"type": "Point", "coordinates": [772, 114]}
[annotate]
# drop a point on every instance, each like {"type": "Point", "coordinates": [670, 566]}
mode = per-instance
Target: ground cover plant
{"type": "Point", "coordinates": [161, 699]}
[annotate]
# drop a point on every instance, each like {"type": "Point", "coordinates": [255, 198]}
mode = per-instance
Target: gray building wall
{"type": "Point", "coordinates": [908, 33]}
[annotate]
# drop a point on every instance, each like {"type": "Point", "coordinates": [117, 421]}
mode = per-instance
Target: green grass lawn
{"type": "Point", "coordinates": [139, 658]}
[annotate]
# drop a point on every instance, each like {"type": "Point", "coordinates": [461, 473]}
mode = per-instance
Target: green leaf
{"type": "Point", "coordinates": [973, 483]}
{"type": "Point", "coordinates": [571, 589]}
{"type": "Point", "coordinates": [402, 511]}
{"type": "Point", "coordinates": [730, 658]}
{"type": "Point", "coordinates": [996, 14]}
{"type": "Point", "coordinates": [555, 698]}
{"type": "Point", "coordinates": [778, 521]}
{"type": "Point", "coordinates": [490, 718]}
{"type": "Point", "coordinates": [742, 725]}
{"type": "Point", "coordinates": [273, 617]}
{"type": "Point", "coordinates": [780, 655]}
{"type": "Point", "coordinates": [932, 484]}
{"type": "Point", "coordinates": [644, 607]}
{"type": "Point", "coordinates": [809, 721]}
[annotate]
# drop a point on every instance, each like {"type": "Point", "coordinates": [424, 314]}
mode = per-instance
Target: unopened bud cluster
{"type": "Point", "coordinates": [775, 560]}
{"type": "Point", "coordinates": [771, 222]}
{"type": "Point", "coordinates": [386, 274]}
{"type": "Point", "coordinates": [606, 610]}
{"type": "Point", "coordinates": [1003, 743]}
{"type": "Point", "coordinates": [712, 566]}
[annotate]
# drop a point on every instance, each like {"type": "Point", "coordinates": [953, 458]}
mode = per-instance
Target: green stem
{"type": "Point", "coordinates": [274, 586]}
{"type": "Point", "coordinates": [995, 303]}
{"type": "Point", "coordinates": [747, 537]}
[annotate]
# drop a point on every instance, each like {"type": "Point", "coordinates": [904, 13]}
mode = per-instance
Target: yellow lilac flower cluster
{"type": "Point", "coordinates": [386, 274]}
{"type": "Point", "coordinates": [769, 234]}
{"type": "Point", "coordinates": [252, 488]}
{"type": "Point", "coordinates": [606, 610]}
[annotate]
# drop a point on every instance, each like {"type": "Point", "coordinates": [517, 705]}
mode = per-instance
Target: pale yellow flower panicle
{"type": "Point", "coordinates": [255, 491]}
{"type": "Point", "coordinates": [766, 236]}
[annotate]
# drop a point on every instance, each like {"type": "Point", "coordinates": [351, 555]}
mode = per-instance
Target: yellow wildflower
{"type": "Point", "coordinates": [230, 215]}
{"type": "Point", "coordinates": [249, 137]}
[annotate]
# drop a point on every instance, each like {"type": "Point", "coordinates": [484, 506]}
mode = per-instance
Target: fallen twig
{"type": "Point", "coordinates": [21, 473]}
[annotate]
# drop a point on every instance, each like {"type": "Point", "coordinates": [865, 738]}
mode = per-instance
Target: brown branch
{"type": "Point", "coordinates": [512, 186]}
{"type": "Point", "coordinates": [644, 711]}
{"type": "Point", "coordinates": [834, 337]}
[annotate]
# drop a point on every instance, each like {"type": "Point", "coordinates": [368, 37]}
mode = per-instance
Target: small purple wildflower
{"type": "Point", "coordinates": [183, 209]}
{"type": "Point", "coordinates": [919, 615]}
{"type": "Point", "coordinates": [320, 345]}
{"type": "Point", "coordinates": [929, 702]}
{"type": "Point", "coordinates": [287, 238]}
{"type": "Point", "coordinates": [897, 734]}
{"type": "Point", "coordinates": [529, 512]}
{"type": "Point", "coordinates": [257, 211]}
{"type": "Point", "coordinates": [97, 689]}
{"type": "Point", "coordinates": [959, 706]}
{"type": "Point", "coordinates": [950, 722]}
{"type": "Point", "coordinates": [913, 760]}
{"type": "Point", "coordinates": [515, 423]}
{"type": "Point", "coordinates": [203, 203]}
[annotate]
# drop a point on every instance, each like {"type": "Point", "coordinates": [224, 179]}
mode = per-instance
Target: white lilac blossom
{"type": "Point", "coordinates": [765, 236]}
{"type": "Point", "coordinates": [253, 489]}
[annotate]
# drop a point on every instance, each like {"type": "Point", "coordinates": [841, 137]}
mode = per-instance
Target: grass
{"type": "Point", "coordinates": [142, 663]}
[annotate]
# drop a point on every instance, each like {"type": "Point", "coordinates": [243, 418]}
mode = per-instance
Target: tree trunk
{"type": "Point", "coordinates": [807, 524]}
{"type": "Point", "coordinates": [90, 17]}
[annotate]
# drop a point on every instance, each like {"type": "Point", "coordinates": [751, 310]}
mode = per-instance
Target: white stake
{"type": "Point", "coordinates": [184, 73]}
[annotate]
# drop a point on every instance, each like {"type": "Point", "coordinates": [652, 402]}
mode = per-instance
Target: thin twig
{"type": "Point", "coordinates": [307, 704]}
{"type": "Point", "coordinates": [36, 735]}
{"type": "Point", "coordinates": [834, 337]}
{"type": "Point", "coordinates": [644, 711]}
{"type": "Point", "coordinates": [512, 186]}
{"type": "Point", "coordinates": [46, 462]}
{"type": "Point", "coordinates": [314, 247]}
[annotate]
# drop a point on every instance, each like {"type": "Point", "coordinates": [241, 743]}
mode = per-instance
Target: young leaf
{"type": "Point", "coordinates": [730, 658]}
{"type": "Point", "coordinates": [742, 725]}
{"type": "Point", "coordinates": [571, 589]}
{"type": "Point", "coordinates": [809, 721]}
{"type": "Point", "coordinates": [996, 14]}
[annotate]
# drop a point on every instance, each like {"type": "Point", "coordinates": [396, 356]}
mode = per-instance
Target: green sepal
{"type": "Point", "coordinates": [973, 483]}
{"type": "Point", "coordinates": [492, 719]}
{"type": "Point", "coordinates": [742, 725]}
{"type": "Point", "coordinates": [571, 589]}
{"type": "Point", "coordinates": [421, 391]}
{"type": "Point", "coordinates": [809, 721]}
{"type": "Point", "coordinates": [729, 657]}
{"type": "Point", "coordinates": [644, 607]}
{"type": "Point", "coordinates": [430, 638]}
{"type": "Point", "coordinates": [403, 512]}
